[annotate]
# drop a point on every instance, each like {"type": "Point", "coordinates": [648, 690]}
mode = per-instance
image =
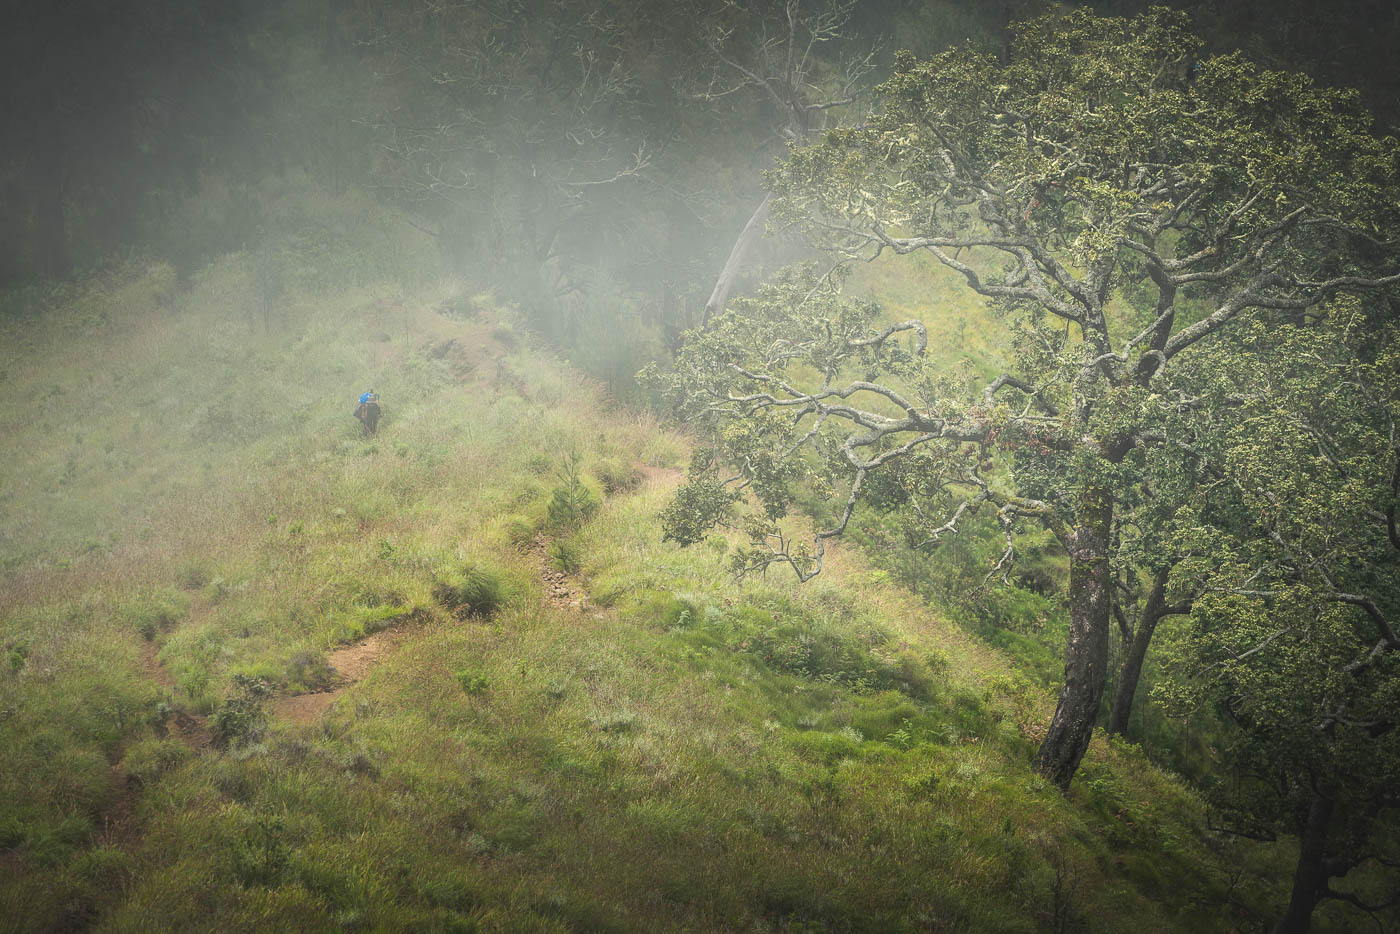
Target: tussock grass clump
{"type": "Point", "coordinates": [838, 648]}
{"type": "Point", "coordinates": [520, 532]}
{"type": "Point", "coordinates": [308, 671]}
{"type": "Point", "coordinates": [146, 760]}
{"type": "Point", "coordinates": [363, 621]}
{"type": "Point", "coordinates": [374, 596]}
{"type": "Point", "coordinates": [476, 590]}
{"type": "Point", "coordinates": [608, 590]}
{"type": "Point", "coordinates": [565, 555]}
{"type": "Point", "coordinates": [194, 575]}
{"type": "Point", "coordinates": [616, 477]}
{"type": "Point", "coordinates": [16, 654]}
{"type": "Point", "coordinates": [241, 718]}
{"type": "Point", "coordinates": [153, 613]}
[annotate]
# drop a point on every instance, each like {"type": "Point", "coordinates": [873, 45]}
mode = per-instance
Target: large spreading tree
{"type": "Point", "coordinates": [1131, 211]}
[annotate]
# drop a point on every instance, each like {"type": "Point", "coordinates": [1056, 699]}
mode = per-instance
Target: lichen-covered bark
{"type": "Point", "coordinates": [1086, 652]}
{"type": "Point", "coordinates": [738, 256]}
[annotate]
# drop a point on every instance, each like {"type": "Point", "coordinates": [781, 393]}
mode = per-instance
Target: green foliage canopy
{"type": "Point", "coordinates": [1293, 551]}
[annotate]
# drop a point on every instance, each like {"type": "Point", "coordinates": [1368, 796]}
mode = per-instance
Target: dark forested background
{"type": "Point", "coordinates": [595, 148]}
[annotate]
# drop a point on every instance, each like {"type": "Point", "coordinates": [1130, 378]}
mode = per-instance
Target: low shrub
{"type": "Point", "coordinates": [262, 855]}
{"type": "Point", "coordinates": [473, 682]}
{"type": "Point", "coordinates": [1026, 703]}
{"type": "Point", "coordinates": [506, 336]}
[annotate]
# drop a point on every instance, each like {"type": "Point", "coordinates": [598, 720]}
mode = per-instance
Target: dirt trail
{"type": "Point", "coordinates": [353, 662]}
{"type": "Point", "coordinates": [559, 589]}
{"type": "Point", "coordinates": [116, 820]}
{"type": "Point", "coordinates": [350, 664]}
{"type": "Point", "coordinates": [193, 728]}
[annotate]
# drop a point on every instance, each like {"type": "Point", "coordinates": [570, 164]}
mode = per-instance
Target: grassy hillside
{"type": "Point", "coordinates": [262, 673]}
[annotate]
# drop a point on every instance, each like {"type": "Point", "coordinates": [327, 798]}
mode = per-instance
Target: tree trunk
{"type": "Point", "coordinates": [1004, 32]}
{"type": "Point", "coordinates": [1086, 653]}
{"type": "Point", "coordinates": [1310, 876]}
{"type": "Point", "coordinates": [1135, 651]}
{"type": "Point", "coordinates": [750, 235]}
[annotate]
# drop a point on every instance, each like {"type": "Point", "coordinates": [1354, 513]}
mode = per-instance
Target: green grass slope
{"type": "Point", "coordinates": [564, 725]}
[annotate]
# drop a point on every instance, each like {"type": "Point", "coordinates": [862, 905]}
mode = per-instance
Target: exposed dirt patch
{"type": "Point", "coordinates": [560, 589]}
{"type": "Point", "coordinates": [117, 822]}
{"type": "Point", "coordinates": [504, 379]}
{"type": "Point", "coordinates": [458, 330]}
{"type": "Point", "coordinates": [302, 709]}
{"type": "Point", "coordinates": [454, 336]}
{"type": "Point", "coordinates": [387, 357]}
{"type": "Point", "coordinates": [451, 357]}
{"type": "Point", "coordinates": [193, 728]}
{"type": "Point", "coordinates": [350, 665]}
{"type": "Point", "coordinates": [353, 662]}
{"type": "Point", "coordinates": [660, 476]}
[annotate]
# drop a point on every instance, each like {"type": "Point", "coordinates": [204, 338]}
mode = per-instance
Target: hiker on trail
{"type": "Point", "coordinates": [368, 411]}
